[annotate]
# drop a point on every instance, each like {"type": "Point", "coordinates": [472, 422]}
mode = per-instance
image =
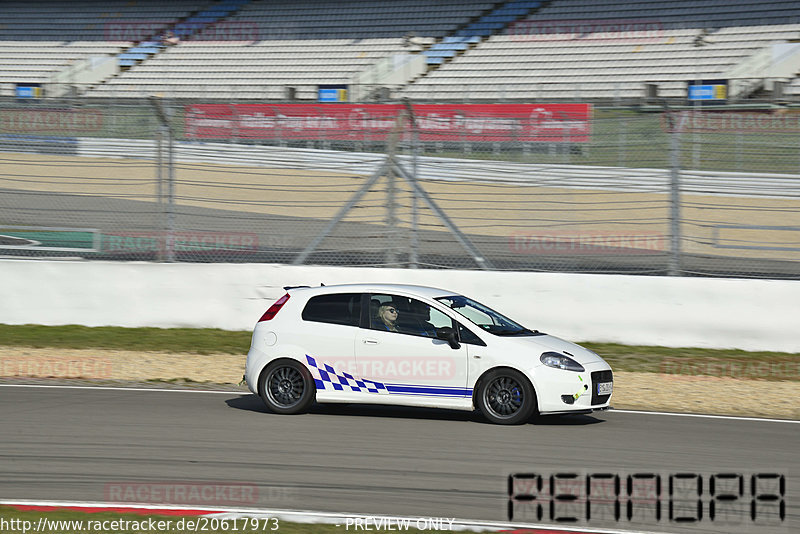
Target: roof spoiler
{"type": "Point", "coordinates": [287, 288]}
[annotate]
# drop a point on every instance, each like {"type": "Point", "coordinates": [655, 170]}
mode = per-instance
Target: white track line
{"type": "Point", "coordinates": [232, 392]}
{"type": "Point", "coordinates": [332, 518]}
{"type": "Point", "coordinates": [707, 416]}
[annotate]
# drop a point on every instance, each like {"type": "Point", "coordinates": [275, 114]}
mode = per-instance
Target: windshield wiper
{"type": "Point", "coordinates": [520, 332]}
{"type": "Point", "coordinates": [500, 331]}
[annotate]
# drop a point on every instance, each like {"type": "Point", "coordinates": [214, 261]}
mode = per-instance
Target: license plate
{"type": "Point", "coordinates": [604, 388]}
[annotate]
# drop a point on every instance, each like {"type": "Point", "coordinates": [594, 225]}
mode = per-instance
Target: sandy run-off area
{"type": "Point", "coordinates": [640, 391]}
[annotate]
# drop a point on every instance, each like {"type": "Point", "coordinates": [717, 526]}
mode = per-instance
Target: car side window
{"type": "Point", "coordinates": [476, 316]}
{"type": "Point", "coordinates": [465, 335]}
{"type": "Point", "coordinates": [406, 315]}
{"type": "Point", "coordinates": [339, 308]}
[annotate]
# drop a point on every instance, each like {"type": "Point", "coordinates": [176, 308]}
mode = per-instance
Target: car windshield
{"type": "Point", "coordinates": [485, 317]}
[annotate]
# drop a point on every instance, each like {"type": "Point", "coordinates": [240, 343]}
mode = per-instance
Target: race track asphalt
{"type": "Point", "coordinates": [101, 445]}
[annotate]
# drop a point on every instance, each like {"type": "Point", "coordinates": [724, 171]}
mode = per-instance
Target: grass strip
{"type": "Point", "coordinates": [189, 340]}
{"type": "Point", "coordinates": [724, 363]}
{"type": "Point", "coordinates": [730, 363]}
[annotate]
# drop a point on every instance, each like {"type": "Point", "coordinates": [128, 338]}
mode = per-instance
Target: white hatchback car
{"type": "Point", "coordinates": [416, 346]}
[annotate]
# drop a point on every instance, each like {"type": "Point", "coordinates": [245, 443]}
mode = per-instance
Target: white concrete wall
{"type": "Point", "coordinates": [676, 312]}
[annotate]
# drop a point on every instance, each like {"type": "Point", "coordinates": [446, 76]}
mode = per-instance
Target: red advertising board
{"type": "Point", "coordinates": [551, 123]}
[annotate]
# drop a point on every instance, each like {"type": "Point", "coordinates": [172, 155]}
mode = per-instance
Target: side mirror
{"type": "Point", "coordinates": [448, 334]}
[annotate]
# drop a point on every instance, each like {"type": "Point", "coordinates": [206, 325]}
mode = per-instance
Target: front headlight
{"type": "Point", "coordinates": [559, 361]}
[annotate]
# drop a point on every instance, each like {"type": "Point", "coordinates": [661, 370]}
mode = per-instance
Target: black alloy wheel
{"type": "Point", "coordinates": [287, 387]}
{"type": "Point", "coordinates": [506, 397]}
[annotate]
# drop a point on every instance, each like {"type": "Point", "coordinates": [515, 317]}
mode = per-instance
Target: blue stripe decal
{"type": "Point", "coordinates": [347, 382]}
{"type": "Point", "coordinates": [429, 390]}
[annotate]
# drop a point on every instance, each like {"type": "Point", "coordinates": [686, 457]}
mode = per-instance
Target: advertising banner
{"type": "Point", "coordinates": [710, 90]}
{"type": "Point", "coordinates": [28, 90]}
{"type": "Point", "coordinates": [332, 93]}
{"type": "Point", "coordinates": [37, 238]}
{"type": "Point", "coordinates": [549, 123]}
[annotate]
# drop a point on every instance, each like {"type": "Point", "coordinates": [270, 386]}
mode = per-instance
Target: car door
{"type": "Point", "coordinates": [329, 327]}
{"type": "Point", "coordinates": [403, 356]}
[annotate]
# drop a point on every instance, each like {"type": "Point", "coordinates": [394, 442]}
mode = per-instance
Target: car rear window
{"type": "Point", "coordinates": [340, 308]}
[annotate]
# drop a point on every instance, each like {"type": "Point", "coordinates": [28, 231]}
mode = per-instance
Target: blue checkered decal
{"type": "Point", "coordinates": [326, 377]}
{"type": "Point", "coordinates": [328, 374]}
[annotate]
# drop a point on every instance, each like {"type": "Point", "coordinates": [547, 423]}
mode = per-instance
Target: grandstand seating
{"type": "Point", "coordinates": [36, 61]}
{"type": "Point", "coordinates": [38, 39]}
{"type": "Point", "coordinates": [677, 14]}
{"type": "Point", "coordinates": [358, 19]}
{"type": "Point", "coordinates": [478, 49]}
{"type": "Point", "coordinates": [88, 20]}
{"type": "Point", "coordinates": [298, 45]}
{"type": "Point", "coordinates": [496, 19]}
{"type": "Point", "coordinates": [258, 70]}
{"type": "Point", "coordinates": [561, 67]}
{"type": "Point", "coordinates": [526, 61]}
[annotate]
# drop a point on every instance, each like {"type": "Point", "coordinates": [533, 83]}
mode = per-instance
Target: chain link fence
{"type": "Point", "coordinates": [527, 187]}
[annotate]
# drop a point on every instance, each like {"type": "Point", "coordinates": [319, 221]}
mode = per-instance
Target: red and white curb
{"type": "Point", "coordinates": [308, 517]}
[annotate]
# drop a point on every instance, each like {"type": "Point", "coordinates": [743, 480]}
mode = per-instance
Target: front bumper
{"type": "Point", "coordinates": [562, 391]}
{"type": "Point", "coordinates": [577, 412]}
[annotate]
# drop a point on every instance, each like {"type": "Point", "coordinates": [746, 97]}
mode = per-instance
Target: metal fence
{"type": "Point", "coordinates": [550, 187]}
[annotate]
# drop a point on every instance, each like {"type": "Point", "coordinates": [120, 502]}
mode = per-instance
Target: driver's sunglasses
{"type": "Point", "coordinates": [393, 310]}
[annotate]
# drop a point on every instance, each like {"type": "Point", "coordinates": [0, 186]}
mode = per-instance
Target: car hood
{"type": "Point", "coordinates": [546, 343]}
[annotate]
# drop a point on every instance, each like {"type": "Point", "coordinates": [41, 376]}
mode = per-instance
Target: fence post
{"type": "Point", "coordinates": [392, 234]}
{"type": "Point", "coordinates": [413, 260]}
{"type": "Point", "coordinates": [160, 183]}
{"type": "Point", "coordinates": [170, 191]}
{"type": "Point", "coordinates": [739, 150]}
{"type": "Point", "coordinates": [675, 203]}
{"type": "Point", "coordinates": [697, 140]}
{"type": "Point", "coordinates": [391, 218]}
{"type": "Point", "coordinates": [165, 125]}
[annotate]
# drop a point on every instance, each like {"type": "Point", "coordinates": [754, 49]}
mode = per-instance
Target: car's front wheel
{"type": "Point", "coordinates": [286, 387]}
{"type": "Point", "coordinates": [506, 397]}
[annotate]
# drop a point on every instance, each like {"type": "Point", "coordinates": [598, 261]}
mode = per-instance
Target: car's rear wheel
{"type": "Point", "coordinates": [287, 387]}
{"type": "Point", "coordinates": [506, 397]}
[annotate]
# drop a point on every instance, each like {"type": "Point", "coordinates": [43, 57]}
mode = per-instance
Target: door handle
{"type": "Point", "coordinates": [370, 341]}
